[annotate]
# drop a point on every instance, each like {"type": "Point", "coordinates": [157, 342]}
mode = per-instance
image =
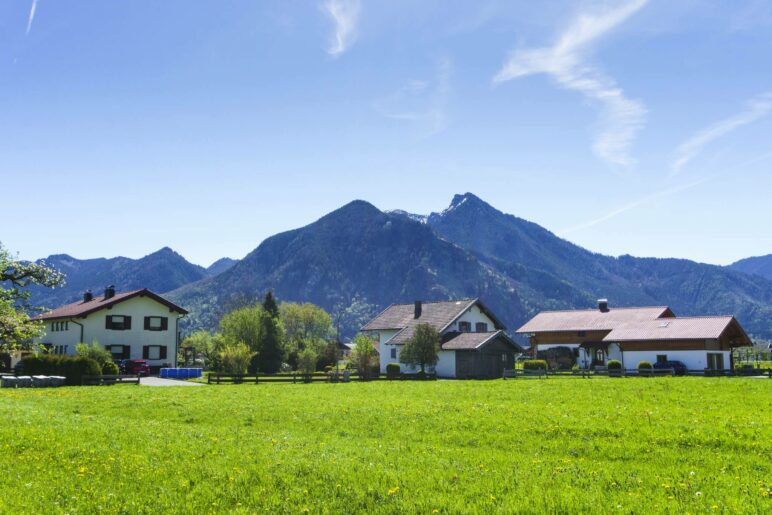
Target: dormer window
{"type": "Point", "coordinates": [465, 327]}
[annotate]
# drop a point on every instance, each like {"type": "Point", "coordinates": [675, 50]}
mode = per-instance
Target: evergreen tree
{"type": "Point", "coordinates": [270, 354]}
{"type": "Point", "coordinates": [270, 306]}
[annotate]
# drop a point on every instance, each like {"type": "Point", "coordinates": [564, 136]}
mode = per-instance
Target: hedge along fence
{"type": "Point", "coordinates": [535, 364]}
{"type": "Point", "coordinates": [71, 367]}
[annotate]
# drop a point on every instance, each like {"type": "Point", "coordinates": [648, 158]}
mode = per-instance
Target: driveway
{"type": "Point", "coordinates": [157, 381]}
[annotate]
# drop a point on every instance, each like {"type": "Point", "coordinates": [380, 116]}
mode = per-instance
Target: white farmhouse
{"type": "Point", "coordinates": [472, 340]}
{"type": "Point", "coordinates": [135, 324]}
{"type": "Point", "coordinates": [632, 335]}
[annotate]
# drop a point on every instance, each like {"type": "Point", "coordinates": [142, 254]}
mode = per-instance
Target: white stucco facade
{"type": "Point", "coordinates": [693, 359]}
{"type": "Point", "coordinates": [64, 333]}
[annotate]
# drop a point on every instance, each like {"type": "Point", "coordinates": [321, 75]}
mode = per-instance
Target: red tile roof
{"type": "Point", "coordinates": [592, 319]}
{"type": "Point", "coordinates": [81, 309]}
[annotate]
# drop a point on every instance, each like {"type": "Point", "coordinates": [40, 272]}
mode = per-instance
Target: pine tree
{"type": "Point", "coordinates": [270, 354]}
{"type": "Point", "coordinates": [269, 304]}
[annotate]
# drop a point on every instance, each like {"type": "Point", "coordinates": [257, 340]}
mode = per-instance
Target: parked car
{"type": "Point", "coordinates": [679, 368]}
{"type": "Point", "coordinates": [134, 367]}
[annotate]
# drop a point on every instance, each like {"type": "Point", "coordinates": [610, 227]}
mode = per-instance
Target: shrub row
{"type": "Point", "coordinates": [535, 364]}
{"type": "Point", "coordinates": [71, 367]}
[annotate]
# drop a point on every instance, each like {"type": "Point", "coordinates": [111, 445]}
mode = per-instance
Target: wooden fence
{"type": "Point", "coordinates": [297, 377]}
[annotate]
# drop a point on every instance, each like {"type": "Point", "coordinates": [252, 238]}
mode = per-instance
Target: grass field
{"type": "Point", "coordinates": [603, 445]}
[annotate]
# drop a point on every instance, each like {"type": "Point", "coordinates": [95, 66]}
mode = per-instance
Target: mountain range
{"type": "Point", "coordinates": [759, 265]}
{"type": "Point", "coordinates": [357, 260]}
{"type": "Point", "coordinates": [161, 271]}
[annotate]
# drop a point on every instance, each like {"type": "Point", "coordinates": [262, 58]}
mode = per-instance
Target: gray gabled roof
{"type": "Point", "coordinates": [440, 315]}
{"type": "Point", "coordinates": [474, 341]}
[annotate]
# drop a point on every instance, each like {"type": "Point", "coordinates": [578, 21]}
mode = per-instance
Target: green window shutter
{"type": "Point", "coordinates": [109, 322]}
{"type": "Point", "coordinates": [127, 322]}
{"type": "Point", "coordinates": [147, 323]}
{"type": "Point", "coordinates": [145, 351]}
{"type": "Point", "coordinates": [164, 324]}
{"type": "Point", "coordinates": [163, 352]}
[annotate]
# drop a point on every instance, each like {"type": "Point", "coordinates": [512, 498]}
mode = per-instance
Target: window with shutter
{"type": "Point", "coordinates": [481, 327]}
{"type": "Point", "coordinates": [465, 327]}
{"type": "Point", "coordinates": [156, 323]}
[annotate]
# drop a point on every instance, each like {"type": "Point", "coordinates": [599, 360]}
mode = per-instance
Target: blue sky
{"type": "Point", "coordinates": [626, 127]}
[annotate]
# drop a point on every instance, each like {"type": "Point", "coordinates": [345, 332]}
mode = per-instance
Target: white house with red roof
{"type": "Point", "coordinates": [136, 324]}
{"type": "Point", "coordinates": [636, 334]}
{"type": "Point", "coordinates": [473, 343]}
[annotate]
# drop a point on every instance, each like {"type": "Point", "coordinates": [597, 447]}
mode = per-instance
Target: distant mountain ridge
{"type": "Point", "coordinates": [758, 265]}
{"type": "Point", "coordinates": [161, 271]}
{"type": "Point", "coordinates": [220, 266]}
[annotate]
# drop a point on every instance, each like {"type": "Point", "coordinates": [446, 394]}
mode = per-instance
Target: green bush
{"type": "Point", "coordinates": [73, 368]}
{"type": "Point", "coordinates": [534, 364]}
{"type": "Point", "coordinates": [614, 364]}
{"type": "Point", "coordinates": [110, 369]}
{"type": "Point", "coordinates": [392, 370]}
{"type": "Point", "coordinates": [644, 365]}
{"type": "Point", "coordinates": [307, 361]}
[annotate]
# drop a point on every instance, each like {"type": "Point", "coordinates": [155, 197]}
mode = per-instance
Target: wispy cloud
{"type": "Point", "coordinates": [667, 192]}
{"type": "Point", "coordinates": [344, 15]}
{"type": "Point", "coordinates": [565, 62]}
{"type": "Point", "coordinates": [421, 102]}
{"type": "Point", "coordinates": [756, 108]}
{"type": "Point", "coordinates": [31, 18]}
{"type": "Point", "coordinates": [632, 205]}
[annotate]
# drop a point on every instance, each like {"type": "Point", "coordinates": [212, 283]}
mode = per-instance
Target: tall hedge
{"type": "Point", "coordinates": [535, 364]}
{"type": "Point", "coordinates": [73, 368]}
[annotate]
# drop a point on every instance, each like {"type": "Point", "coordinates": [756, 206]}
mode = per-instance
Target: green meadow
{"type": "Point", "coordinates": [603, 445]}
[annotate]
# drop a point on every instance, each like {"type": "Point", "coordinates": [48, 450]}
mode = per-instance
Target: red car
{"type": "Point", "coordinates": [134, 367]}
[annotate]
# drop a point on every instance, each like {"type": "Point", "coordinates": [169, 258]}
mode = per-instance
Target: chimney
{"type": "Point", "coordinates": [603, 305]}
{"type": "Point", "coordinates": [88, 296]}
{"type": "Point", "coordinates": [109, 292]}
{"type": "Point", "coordinates": [418, 308]}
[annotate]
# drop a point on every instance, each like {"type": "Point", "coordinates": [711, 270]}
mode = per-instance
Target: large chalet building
{"type": "Point", "coordinates": [632, 335]}
{"type": "Point", "coordinates": [136, 324]}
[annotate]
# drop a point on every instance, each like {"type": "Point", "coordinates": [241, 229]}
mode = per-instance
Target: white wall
{"type": "Point", "coordinates": [446, 366]}
{"type": "Point", "coordinates": [693, 359]}
{"type": "Point", "coordinates": [136, 337]}
{"type": "Point", "coordinates": [384, 350]}
{"type": "Point", "coordinates": [473, 315]}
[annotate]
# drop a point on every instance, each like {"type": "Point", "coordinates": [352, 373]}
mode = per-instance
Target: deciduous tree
{"type": "Point", "coordinates": [16, 328]}
{"type": "Point", "coordinates": [423, 348]}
